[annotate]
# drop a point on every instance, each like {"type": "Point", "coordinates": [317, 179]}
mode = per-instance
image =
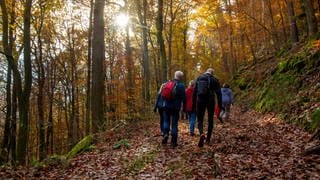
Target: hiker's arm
{"type": "Point", "coordinates": [194, 95]}
{"type": "Point", "coordinates": [231, 96]}
{"type": "Point", "coordinates": [184, 99]}
{"type": "Point", "coordinates": [156, 104]}
{"type": "Point", "coordinates": [217, 90]}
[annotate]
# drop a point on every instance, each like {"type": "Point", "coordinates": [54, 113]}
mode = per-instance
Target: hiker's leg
{"type": "Point", "coordinates": [210, 108]}
{"type": "Point", "coordinates": [201, 107]}
{"type": "Point", "coordinates": [221, 111]}
{"type": "Point", "coordinates": [166, 122]}
{"type": "Point", "coordinates": [174, 126]}
{"type": "Point", "coordinates": [228, 107]}
{"type": "Point", "coordinates": [161, 120]}
{"type": "Point", "coordinates": [192, 121]}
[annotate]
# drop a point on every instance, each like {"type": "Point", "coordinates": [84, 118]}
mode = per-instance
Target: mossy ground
{"type": "Point", "coordinates": [288, 85]}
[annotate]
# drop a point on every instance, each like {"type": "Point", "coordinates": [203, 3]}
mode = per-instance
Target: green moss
{"type": "Point", "coordinates": [276, 93]}
{"type": "Point", "coordinates": [83, 145]}
{"type": "Point", "coordinates": [243, 83]}
{"type": "Point", "coordinates": [122, 143]}
{"type": "Point", "coordinates": [56, 160]}
{"type": "Point", "coordinates": [141, 161]}
{"type": "Point", "coordinates": [315, 117]}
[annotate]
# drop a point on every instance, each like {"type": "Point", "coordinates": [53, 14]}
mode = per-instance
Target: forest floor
{"type": "Point", "coordinates": [250, 146]}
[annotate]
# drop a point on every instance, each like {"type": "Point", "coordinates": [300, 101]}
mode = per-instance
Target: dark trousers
{"type": "Point", "coordinates": [161, 120]}
{"type": "Point", "coordinates": [201, 109]}
{"type": "Point", "coordinates": [171, 118]}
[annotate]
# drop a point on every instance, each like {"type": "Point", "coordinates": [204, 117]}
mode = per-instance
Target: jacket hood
{"type": "Point", "coordinates": [224, 89]}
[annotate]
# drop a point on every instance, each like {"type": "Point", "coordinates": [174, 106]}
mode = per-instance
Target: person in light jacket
{"type": "Point", "coordinates": [227, 100]}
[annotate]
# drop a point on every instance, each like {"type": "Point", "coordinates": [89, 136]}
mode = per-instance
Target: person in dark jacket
{"type": "Point", "coordinates": [171, 110]}
{"type": "Point", "coordinates": [204, 98]}
{"type": "Point", "coordinates": [191, 112]}
{"type": "Point", "coordinates": [159, 105]}
{"type": "Point", "coordinates": [227, 100]}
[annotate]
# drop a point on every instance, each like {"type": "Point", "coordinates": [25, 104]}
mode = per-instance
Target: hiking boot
{"type": "Point", "coordinates": [201, 141]}
{"type": "Point", "coordinates": [174, 144]}
{"type": "Point", "coordinates": [192, 134]}
{"type": "Point", "coordinates": [207, 141]}
{"type": "Point", "coordinates": [220, 119]}
{"type": "Point", "coordinates": [165, 139]}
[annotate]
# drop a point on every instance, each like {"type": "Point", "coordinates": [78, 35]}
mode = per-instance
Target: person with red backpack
{"type": "Point", "coordinates": [173, 94]}
{"type": "Point", "coordinates": [191, 112]}
{"type": "Point", "coordinates": [206, 87]}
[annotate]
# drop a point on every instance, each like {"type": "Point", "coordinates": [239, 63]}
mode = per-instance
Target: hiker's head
{"type": "Point", "coordinates": [210, 71]}
{"type": "Point", "coordinates": [225, 85]}
{"type": "Point", "coordinates": [191, 83]}
{"type": "Point", "coordinates": [178, 75]}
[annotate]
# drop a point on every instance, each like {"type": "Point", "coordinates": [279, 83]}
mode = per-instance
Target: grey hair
{"type": "Point", "coordinates": [210, 71]}
{"type": "Point", "coordinates": [178, 75]}
{"type": "Point", "coordinates": [191, 83]}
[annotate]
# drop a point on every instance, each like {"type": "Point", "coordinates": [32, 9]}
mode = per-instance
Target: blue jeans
{"type": "Point", "coordinates": [171, 117]}
{"type": "Point", "coordinates": [161, 120]}
{"type": "Point", "coordinates": [192, 121]}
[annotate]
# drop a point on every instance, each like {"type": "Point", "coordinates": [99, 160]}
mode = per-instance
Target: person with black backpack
{"type": "Point", "coordinates": [173, 94]}
{"type": "Point", "coordinates": [204, 98]}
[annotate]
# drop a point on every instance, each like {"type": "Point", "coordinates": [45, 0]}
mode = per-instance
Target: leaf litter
{"type": "Point", "coordinates": [250, 146]}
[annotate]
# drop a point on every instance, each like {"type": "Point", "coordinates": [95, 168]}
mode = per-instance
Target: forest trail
{"type": "Point", "coordinates": [251, 146]}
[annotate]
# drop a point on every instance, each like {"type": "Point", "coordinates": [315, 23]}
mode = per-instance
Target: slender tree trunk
{"type": "Point", "coordinates": [294, 33]}
{"type": "Point", "coordinates": [24, 100]}
{"type": "Point", "coordinates": [284, 31]}
{"type": "Point", "coordinates": [41, 84]}
{"type": "Point", "coordinates": [13, 134]}
{"type": "Point", "coordinates": [164, 72]}
{"type": "Point", "coordinates": [311, 18]}
{"type": "Point", "coordinates": [5, 43]}
{"type": "Point", "coordinates": [98, 70]}
{"type": "Point", "coordinates": [275, 37]}
{"type": "Point", "coordinates": [130, 66]}
{"type": "Point", "coordinates": [88, 98]}
{"type": "Point", "coordinates": [145, 50]}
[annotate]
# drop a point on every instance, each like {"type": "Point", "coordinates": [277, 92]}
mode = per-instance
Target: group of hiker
{"type": "Point", "coordinates": [201, 95]}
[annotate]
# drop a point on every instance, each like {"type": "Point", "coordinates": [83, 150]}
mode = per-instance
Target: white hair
{"type": "Point", "coordinates": [178, 75]}
{"type": "Point", "coordinates": [191, 83]}
{"type": "Point", "coordinates": [210, 71]}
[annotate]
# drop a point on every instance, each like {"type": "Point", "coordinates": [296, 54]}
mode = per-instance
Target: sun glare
{"type": "Point", "coordinates": [122, 20]}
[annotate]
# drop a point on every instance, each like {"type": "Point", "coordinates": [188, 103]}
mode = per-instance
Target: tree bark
{"type": "Point", "coordinates": [98, 70]}
{"type": "Point", "coordinates": [145, 49]}
{"type": "Point", "coordinates": [160, 40]}
{"type": "Point", "coordinates": [311, 18]}
{"type": "Point", "coordinates": [24, 100]}
{"type": "Point", "coordinates": [88, 98]}
{"type": "Point", "coordinates": [294, 33]}
{"type": "Point", "coordinates": [41, 86]}
{"type": "Point", "coordinates": [5, 43]}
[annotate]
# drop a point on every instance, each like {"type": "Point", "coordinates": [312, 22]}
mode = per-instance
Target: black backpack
{"type": "Point", "coordinates": [203, 84]}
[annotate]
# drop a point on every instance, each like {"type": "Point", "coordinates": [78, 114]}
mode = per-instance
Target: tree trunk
{"type": "Point", "coordinates": [294, 33]}
{"type": "Point", "coordinates": [24, 99]}
{"type": "Point", "coordinates": [311, 18]}
{"type": "Point", "coordinates": [145, 49]}
{"type": "Point", "coordinates": [160, 40]}
{"type": "Point", "coordinates": [41, 85]}
{"type": "Point", "coordinates": [130, 66]}
{"type": "Point", "coordinates": [88, 98]}
{"type": "Point", "coordinates": [98, 70]}
{"type": "Point", "coordinates": [274, 32]}
{"type": "Point", "coordinates": [5, 43]}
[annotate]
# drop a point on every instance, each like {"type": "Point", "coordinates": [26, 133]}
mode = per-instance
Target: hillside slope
{"type": "Point", "coordinates": [287, 84]}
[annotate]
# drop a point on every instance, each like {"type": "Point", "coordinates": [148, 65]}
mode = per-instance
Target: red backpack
{"type": "Point", "coordinates": [169, 90]}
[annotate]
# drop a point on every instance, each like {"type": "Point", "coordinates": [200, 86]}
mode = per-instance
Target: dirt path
{"type": "Point", "coordinates": [251, 146]}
